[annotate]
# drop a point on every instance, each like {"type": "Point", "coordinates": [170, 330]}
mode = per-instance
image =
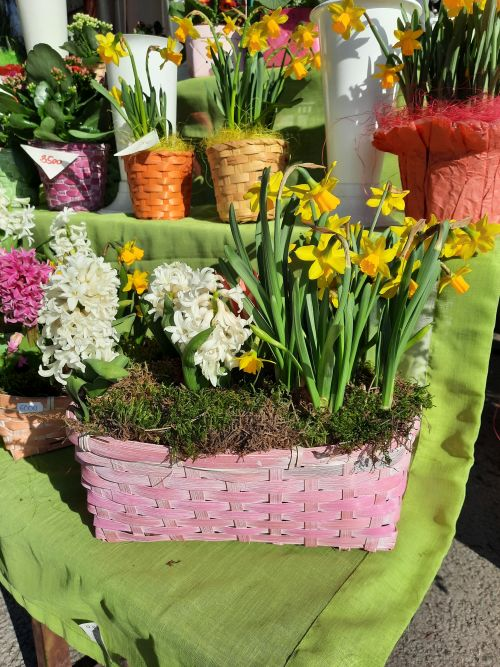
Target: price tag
{"type": "Point", "coordinates": [147, 141]}
{"type": "Point", "coordinates": [51, 161]}
{"type": "Point", "coordinates": [29, 408]}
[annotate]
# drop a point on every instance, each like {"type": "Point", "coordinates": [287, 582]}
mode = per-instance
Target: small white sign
{"type": "Point", "coordinates": [29, 408]}
{"type": "Point", "coordinates": [50, 160]}
{"type": "Point", "coordinates": [92, 631]}
{"type": "Point", "coordinates": [147, 141]}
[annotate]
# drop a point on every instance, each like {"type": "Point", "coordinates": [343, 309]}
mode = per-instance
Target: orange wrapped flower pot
{"type": "Point", "coordinates": [31, 426]}
{"type": "Point", "coordinates": [236, 166]}
{"type": "Point", "coordinates": [449, 159]}
{"type": "Point", "coordinates": [160, 183]}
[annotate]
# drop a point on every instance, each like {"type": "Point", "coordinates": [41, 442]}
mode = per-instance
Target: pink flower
{"type": "Point", "coordinates": [21, 362]}
{"type": "Point", "coordinates": [14, 342]}
{"type": "Point", "coordinates": [21, 280]}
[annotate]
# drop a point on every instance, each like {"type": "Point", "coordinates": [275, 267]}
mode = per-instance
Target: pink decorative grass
{"type": "Point", "coordinates": [312, 496]}
{"type": "Point", "coordinates": [82, 184]}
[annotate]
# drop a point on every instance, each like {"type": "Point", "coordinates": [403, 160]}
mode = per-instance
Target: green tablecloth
{"type": "Point", "coordinates": [243, 605]}
{"type": "Point", "coordinates": [207, 604]}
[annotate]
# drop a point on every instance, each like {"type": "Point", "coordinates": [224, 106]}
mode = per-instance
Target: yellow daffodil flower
{"type": "Point", "coordinates": [130, 253]}
{"type": "Point", "coordinates": [486, 232]}
{"type": "Point", "coordinates": [254, 40]}
{"type": "Point", "coordinates": [297, 68]}
{"type": "Point", "coordinates": [117, 94]}
{"type": "Point", "coordinates": [346, 17]}
{"type": "Point", "coordinates": [273, 187]}
{"type": "Point", "coordinates": [271, 23]}
{"type": "Point", "coordinates": [316, 61]}
{"type": "Point", "coordinates": [110, 48]}
{"type": "Point", "coordinates": [391, 287]}
{"type": "Point", "coordinates": [388, 75]}
{"type": "Point", "coordinates": [317, 196]}
{"type": "Point", "coordinates": [137, 281]}
{"type": "Point", "coordinates": [393, 200]}
{"type": "Point", "coordinates": [304, 35]}
{"type": "Point", "coordinates": [249, 362]}
{"type": "Point", "coordinates": [456, 280]}
{"type": "Point", "coordinates": [211, 46]}
{"type": "Point", "coordinates": [374, 256]}
{"type": "Point", "coordinates": [172, 52]}
{"type": "Point", "coordinates": [327, 258]}
{"type": "Point", "coordinates": [408, 41]}
{"type": "Point", "coordinates": [479, 237]}
{"type": "Point", "coordinates": [454, 7]}
{"type": "Point", "coordinates": [186, 29]}
{"type": "Point", "coordinates": [230, 26]}
{"type": "Point", "coordinates": [291, 248]}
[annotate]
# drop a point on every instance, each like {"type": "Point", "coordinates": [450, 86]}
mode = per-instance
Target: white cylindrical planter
{"type": "Point", "coordinates": [44, 22]}
{"type": "Point", "coordinates": [164, 79]}
{"type": "Point", "coordinates": [196, 49]}
{"type": "Point", "coordinates": [351, 97]}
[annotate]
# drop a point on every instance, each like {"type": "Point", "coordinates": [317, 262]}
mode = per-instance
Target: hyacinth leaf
{"type": "Point", "coordinates": [108, 370]}
{"type": "Point", "coordinates": [74, 384]}
{"type": "Point", "coordinates": [124, 324]}
{"type": "Point", "coordinates": [421, 333]}
{"type": "Point", "coordinates": [189, 368]}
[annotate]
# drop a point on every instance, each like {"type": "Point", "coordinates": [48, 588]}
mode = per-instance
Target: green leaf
{"type": "Point", "coordinates": [124, 324]}
{"type": "Point", "coordinates": [40, 62]}
{"type": "Point", "coordinates": [189, 368]}
{"type": "Point", "coordinates": [109, 370]}
{"type": "Point", "coordinates": [80, 134]}
{"type": "Point", "coordinates": [74, 384]}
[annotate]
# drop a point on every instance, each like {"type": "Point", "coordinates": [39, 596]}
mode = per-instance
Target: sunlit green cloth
{"type": "Point", "coordinates": [247, 605]}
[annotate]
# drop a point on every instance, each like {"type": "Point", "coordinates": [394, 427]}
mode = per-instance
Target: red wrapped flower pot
{"type": "Point", "coordinates": [449, 158]}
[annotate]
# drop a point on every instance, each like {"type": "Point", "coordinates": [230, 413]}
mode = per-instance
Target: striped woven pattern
{"type": "Point", "coordinates": [236, 166]}
{"type": "Point", "coordinates": [29, 433]}
{"type": "Point", "coordinates": [160, 183]}
{"type": "Point", "coordinates": [82, 184]}
{"type": "Point", "coordinates": [306, 496]}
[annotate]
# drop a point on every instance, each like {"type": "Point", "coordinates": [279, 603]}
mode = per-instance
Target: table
{"type": "Point", "coordinates": [217, 604]}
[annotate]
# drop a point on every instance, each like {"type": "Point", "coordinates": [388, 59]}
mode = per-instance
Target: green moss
{"type": "Point", "coordinates": [152, 406]}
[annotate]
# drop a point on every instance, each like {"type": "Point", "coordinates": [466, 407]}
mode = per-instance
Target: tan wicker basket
{"type": "Point", "coordinates": [32, 425]}
{"type": "Point", "coordinates": [236, 166]}
{"type": "Point", "coordinates": [160, 183]}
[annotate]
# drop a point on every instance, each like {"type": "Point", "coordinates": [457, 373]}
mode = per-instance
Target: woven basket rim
{"type": "Point", "coordinates": [162, 151]}
{"type": "Point", "coordinates": [118, 450]}
{"type": "Point", "coordinates": [16, 397]}
{"type": "Point", "coordinates": [262, 141]}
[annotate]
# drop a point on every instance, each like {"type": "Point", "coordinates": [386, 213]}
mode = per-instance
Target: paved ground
{"type": "Point", "coordinates": [459, 620]}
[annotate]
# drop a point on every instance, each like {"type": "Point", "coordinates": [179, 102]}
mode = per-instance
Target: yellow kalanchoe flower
{"type": "Point", "coordinates": [388, 75]}
{"type": "Point", "coordinates": [393, 200]}
{"type": "Point", "coordinates": [346, 17]}
{"type": "Point", "coordinates": [110, 48]}
{"type": "Point", "coordinates": [304, 35]}
{"type": "Point", "coordinates": [374, 256]}
{"type": "Point", "coordinates": [130, 253]}
{"type": "Point", "coordinates": [408, 41]}
{"type": "Point", "coordinates": [297, 68]}
{"type": "Point", "coordinates": [254, 40]}
{"type": "Point", "coordinates": [456, 280]}
{"type": "Point", "coordinates": [271, 23]}
{"type": "Point", "coordinates": [137, 281]}
{"type": "Point", "coordinates": [249, 362]}
{"type": "Point", "coordinates": [230, 26]}
{"type": "Point", "coordinates": [171, 52]}
{"type": "Point", "coordinates": [186, 29]}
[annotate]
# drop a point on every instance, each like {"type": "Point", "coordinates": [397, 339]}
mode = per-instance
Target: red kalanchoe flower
{"type": "Point", "coordinates": [11, 70]}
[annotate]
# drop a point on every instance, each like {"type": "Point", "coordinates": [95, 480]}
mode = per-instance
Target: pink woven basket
{"type": "Point", "coordinates": [82, 184]}
{"type": "Point", "coordinates": [305, 496]}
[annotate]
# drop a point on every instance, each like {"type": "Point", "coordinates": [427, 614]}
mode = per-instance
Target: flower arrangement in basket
{"type": "Point", "coordinates": [159, 178]}
{"type": "Point", "coordinates": [52, 105]}
{"type": "Point", "coordinates": [31, 407]}
{"type": "Point", "coordinates": [447, 133]}
{"type": "Point", "coordinates": [248, 96]}
{"type": "Point", "coordinates": [273, 410]}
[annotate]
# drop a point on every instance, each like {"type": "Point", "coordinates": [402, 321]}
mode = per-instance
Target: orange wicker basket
{"type": "Point", "coordinates": [32, 425]}
{"type": "Point", "coordinates": [236, 166]}
{"type": "Point", "coordinates": [160, 183]}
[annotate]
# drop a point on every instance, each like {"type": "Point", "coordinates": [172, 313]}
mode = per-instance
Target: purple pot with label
{"type": "Point", "coordinates": [81, 184]}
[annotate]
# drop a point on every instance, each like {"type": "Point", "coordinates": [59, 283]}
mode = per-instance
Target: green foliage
{"type": "Point", "coordinates": [459, 58]}
{"type": "Point", "coordinates": [53, 101]}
